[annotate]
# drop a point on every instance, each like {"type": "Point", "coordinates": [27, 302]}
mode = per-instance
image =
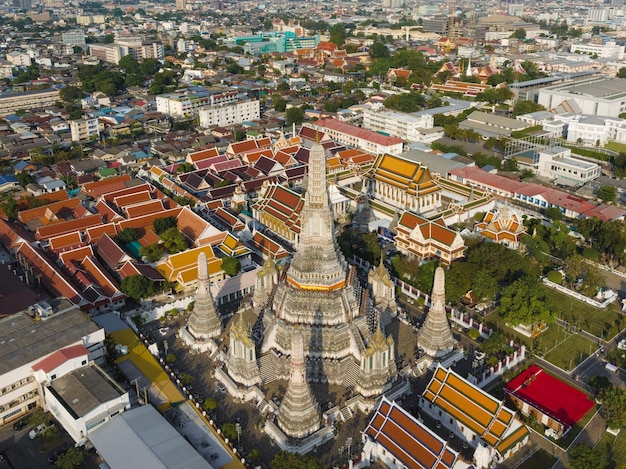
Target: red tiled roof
{"type": "Point", "coordinates": [550, 395]}
{"type": "Point", "coordinates": [59, 357]}
{"type": "Point", "coordinates": [80, 224]}
{"type": "Point", "coordinates": [357, 132]}
{"type": "Point", "coordinates": [51, 276]}
{"type": "Point", "coordinates": [413, 444]}
{"type": "Point", "coordinates": [96, 189]}
{"type": "Point", "coordinates": [26, 216]}
{"type": "Point", "coordinates": [95, 232]}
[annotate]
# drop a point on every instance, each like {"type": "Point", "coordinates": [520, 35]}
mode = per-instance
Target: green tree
{"type": "Point", "coordinates": [173, 240]}
{"type": "Point", "coordinates": [34, 203]}
{"type": "Point", "coordinates": [229, 430]}
{"type": "Point", "coordinates": [287, 460]}
{"type": "Point", "coordinates": [525, 302]}
{"type": "Point", "coordinates": [10, 208]}
{"type": "Point", "coordinates": [231, 266]}
{"type": "Point", "coordinates": [495, 344]}
{"type": "Point", "coordinates": [129, 64]}
{"type": "Point", "coordinates": [128, 235]}
{"type": "Point", "coordinates": [209, 404]}
{"type": "Point", "coordinates": [184, 168]}
{"type": "Point", "coordinates": [149, 66]}
{"type": "Point", "coordinates": [520, 34]}
{"type": "Point", "coordinates": [70, 459]}
{"type": "Point", "coordinates": [25, 178]}
{"type": "Point", "coordinates": [525, 107]}
{"type": "Point", "coordinates": [554, 214]}
{"type": "Point", "coordinates": [152, 252]}
{"type": "Point", "coordinates": [108, 39]}
{"type": "Point", "coordinates": [295, 115]}
{"type": "Point", "coordinates": [485, 286]}
{"type": "Point", "coordinates": [426, 275]}
{"type": "Point", "coordinates": [338, 34]}
{"type": "Point", "coordinates": [70, 94]}
{"type": "Point", "coordinates": [162, 224]}
{"type": "Point", "coordinates": [279, 103]}
{"type": "Point", "coordinates": [137, 286]}
{"type": "Point", "coordinates": [621, 73]}
{"type": "Point", "coordinates": [583, 456]}
{"type": "Point", "coordinates": [607, 193]}
{"type": "Point", "coordinates": [378, 50]}
{"type": "Point", "coordinates": [614, 406]}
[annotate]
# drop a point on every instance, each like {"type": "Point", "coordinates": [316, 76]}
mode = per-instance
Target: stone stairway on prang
{"type": "Point", "coordinates": [266, 368]}
{"type": "Point", "coordinates": [351, 376]}
{"type": "Point", "coordinates": [346, 413]}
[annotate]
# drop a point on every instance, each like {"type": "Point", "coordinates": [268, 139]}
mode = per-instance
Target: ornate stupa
{"type": "Point", "coordinates": [298, 414]}
{"type": "Point", "coordinates": [311, 322]}
{"type": "Point", "coordinates": [319, 295]}
{"type": "Point", "coordinates": [435, 336]}
{"type": "Point", "coordinates": [383, 289]}
{"type": "Point", "coordinates": [204, 322]}
{"type": "Point", "coordinates": [241, 358]}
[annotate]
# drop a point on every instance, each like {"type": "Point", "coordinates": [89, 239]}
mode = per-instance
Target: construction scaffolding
{"type": "Point", "coordinates": [528, 148]}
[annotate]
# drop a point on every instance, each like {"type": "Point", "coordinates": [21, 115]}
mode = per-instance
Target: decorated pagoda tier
{"type": "Point", "coordinates": [435, 336]}
{"type": "Point", "coordinates": [313, 320]}
{"type": "Point", "coordinates": [298, 414]}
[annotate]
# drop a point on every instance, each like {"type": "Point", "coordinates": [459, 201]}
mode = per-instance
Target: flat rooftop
{"type": "Point", "coordinates": [610, 88]}
{"type": "Point", "coordinates": [142, 438]}
{"type": "Point", "coordinates": [24, 340]}
{"type": "Point", "coordinates": [84, 389]}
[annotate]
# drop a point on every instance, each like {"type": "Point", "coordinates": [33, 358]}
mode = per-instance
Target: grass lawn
{"type": "Point", "coordinates": [616, 445]}
{"type": "Point", "coordinates": [616, 146]}
{"type": "Point", "coordinates": [541, 459]}
{"type": "Point", "coordinates": [593, 320]}
{"type": "Point", "coordinates": [569, 353]}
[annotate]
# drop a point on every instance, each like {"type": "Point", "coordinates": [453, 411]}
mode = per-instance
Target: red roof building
{"type": "Point", "coordinates": [554, 403]}
{"type": "Point", "coordinates": [354, 136]}
{"type": "Point", "coordinates": [58, 358]}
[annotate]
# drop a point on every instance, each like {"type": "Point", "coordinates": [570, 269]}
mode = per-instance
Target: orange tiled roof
{"type": "Point", "coordinates": [482, 413]}
{"type": "Point", "coordinates": [65, 241]}
{"type": "Point", "coordinates": [132, 199]}
{"type": "Point", "coordinates": [412, 177]}
{"type": "Point", "coordinates": [94, 233]}
{"type": "Point", "coordinates": [51, 276]}
{"type": "Point", "coordinates": [96, 189]}
{"type": "Point", "coordinates": [57, 196]}
{"type": "Point", "coordinates": [413, 444]}
{"type": "Point", "coordinates": [40, 213]}
{"type": "Point", "coordinates": [145, 208]}
{"type": "Point", "coordinates": [80, 224]}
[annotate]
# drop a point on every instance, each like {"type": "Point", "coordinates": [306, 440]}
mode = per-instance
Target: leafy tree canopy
{"type": "Point", "coordinates": [231, 265]}
{"type": "Point", "coordinates": [173, 240]}
{"type": "Point", "coordinates": [525, 302]}
{"type": "Point", "coordinates": [165, 223]}
{"type": "Point", "coordinates": [137, 286]}
{"type": "Point", "coordinates": [128, 235]}
{"type": "Point", "coordinates": [287, 460]}
{"type": "Point", "coordinates": [152, 252]}
{"type": "Point", "coordinates": [614, 406]}
{"type": "Point", "coordinates": [583, 456]}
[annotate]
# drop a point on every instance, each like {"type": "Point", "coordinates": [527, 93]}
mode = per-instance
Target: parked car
{"type": "Point", "coordinates": [20, 424]}
{"type": "Point", "coordinates": [38, 430]}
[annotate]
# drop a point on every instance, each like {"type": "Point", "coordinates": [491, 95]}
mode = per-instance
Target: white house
{"type": "Point", "coordinates": [558, 163]}
{"type": "Point", "coordinates": [84, 399]}
{"type": "Point", "coordinates": [55, 346]}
